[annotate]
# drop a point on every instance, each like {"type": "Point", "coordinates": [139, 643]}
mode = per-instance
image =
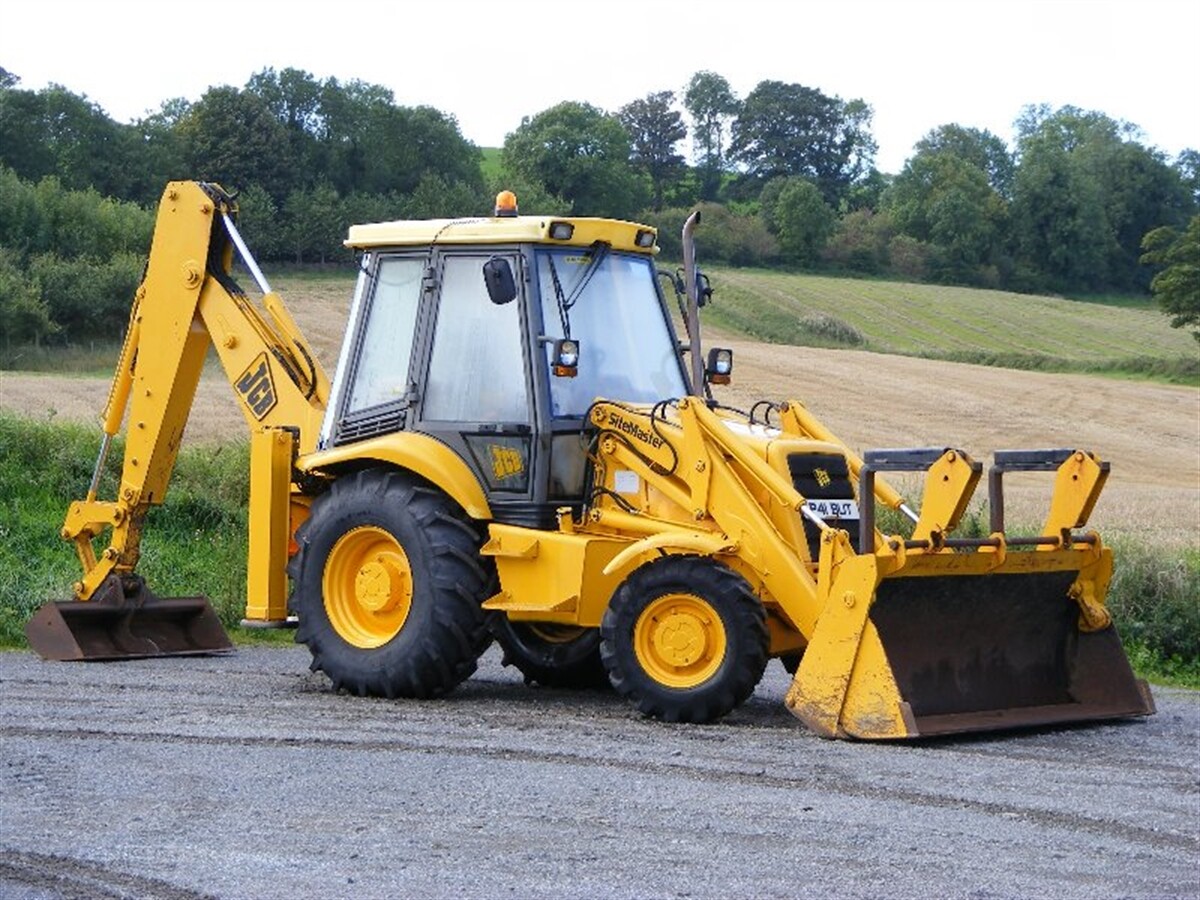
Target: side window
{"type": "Point", "coordinates": [477, 370]}
{"type": "Point", "coordinates": [381, 374]}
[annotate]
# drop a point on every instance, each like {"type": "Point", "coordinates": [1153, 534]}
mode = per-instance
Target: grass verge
{"type": "Point", "coordinates": [194, 544]}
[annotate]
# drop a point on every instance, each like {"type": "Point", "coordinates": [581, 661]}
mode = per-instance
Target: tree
{"type": "Point", "coordinates": [799, 216]}
{"type": "Point", "coordinates": [980, 148]}
{"type": "Point", "coordinates": [230, 136]}
{"type": "Point", "coordinates": [162, 149]}
{"type": "Point", "coordinates": [346, 109]}
{"type": "Point", "coordinates": [1084, 194]}
{"type": "Point", "coordinates": [56, 132]}
{"type": "Point", "coordinates": [655, 129]}
{"type": "Point", "coordinates": [1141, 192]}
{"type": "Point", "coordinates": [8, 79]}
{"type": "Point", "coordinates": [1177, 286]}
{"type": "Point", "coordinates": [860, 242]}
{"type": "Point", "coordinates": [314, 228]}
{"type": "Point", "coordinates": [1059, 226]}
{"type": "Point", "coordinates": [293, 97]}
{"type": "Point", "coordinates": [793, 130]}
{"type": "Point", "coordinates": [24, 315]}
{"type": "Point", "coordinates": [1187, 164]}
{"type": "Point", "coordinates": [363, 142]}
{"type": "Point", "coordinates": [944, 196]}
{"type": "Point", "coordinates": [712, 105]}
{"type": "Point", "coordinates": [581, 154]}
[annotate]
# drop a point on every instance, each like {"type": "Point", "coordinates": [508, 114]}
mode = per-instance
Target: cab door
{"type": "Point", "coordinates": [475, 394]}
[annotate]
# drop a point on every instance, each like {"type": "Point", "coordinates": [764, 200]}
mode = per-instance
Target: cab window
{"type": "Point", "coordinates": [626, 351]}
{"type": "Point", "coordinates": [477, 369]}
{"type": "Point", "coordinates": [381, 375]}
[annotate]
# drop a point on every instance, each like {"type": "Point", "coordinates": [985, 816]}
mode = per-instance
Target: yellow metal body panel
{"type": "Point", "coordinates": [552, 576]}
{"type": "Point", "coordinates": [419, 453]}
{"type": "Point", "coordinates": [949, 485]}
{"type": "Point", "coordinates": [1077, 487]}
{"type": "Point", "coordinates": [794, 418]}
{"type": "Point", "coordinates": [500, 230]}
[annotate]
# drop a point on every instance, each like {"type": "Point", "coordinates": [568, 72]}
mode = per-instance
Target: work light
{"type": "Point", "coordinates": [566, 357]}
{"type": "Point", "coordinates": [719, 367]}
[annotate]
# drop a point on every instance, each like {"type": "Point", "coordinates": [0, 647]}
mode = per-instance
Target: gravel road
{"type": "Point", "coordinates": [244, 776]}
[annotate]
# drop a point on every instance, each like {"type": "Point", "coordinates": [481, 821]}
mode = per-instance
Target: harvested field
{"type": "Point", "coordinates": [1149, 431]}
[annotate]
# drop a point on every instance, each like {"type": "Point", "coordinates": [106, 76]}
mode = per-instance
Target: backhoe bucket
{"type": "Point", "coordinates": [943, 653]}
{"type": "Point", "coordinates": [139, 626]}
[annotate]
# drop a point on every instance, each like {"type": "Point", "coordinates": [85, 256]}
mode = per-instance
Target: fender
{"type": "Point", "coordinates": [419, 453]}
{"type": "Point", "coordinates": [701, 544]}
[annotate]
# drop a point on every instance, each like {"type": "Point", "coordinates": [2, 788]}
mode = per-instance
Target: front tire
{"type": "Point", "coordinates": [388, 587]}
{"type": "Point", "coordinates": [684, 639]}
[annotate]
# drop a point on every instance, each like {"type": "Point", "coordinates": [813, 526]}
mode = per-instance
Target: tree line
{"type": "Point", "coordinates": [786, 174]}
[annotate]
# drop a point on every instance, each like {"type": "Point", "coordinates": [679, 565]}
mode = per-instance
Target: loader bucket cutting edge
{"type": "Point", "coordinates": [163, 626]}
{"type": "Point", "coordinates": [1000, 651]}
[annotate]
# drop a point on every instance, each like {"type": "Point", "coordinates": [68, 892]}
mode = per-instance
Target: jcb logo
{"type": "Point", "coordinates": [822, 477]}
{"type": "Point", "coordinates": [506, 462]}
{"type": "Point", "coordinates": [256, 388]}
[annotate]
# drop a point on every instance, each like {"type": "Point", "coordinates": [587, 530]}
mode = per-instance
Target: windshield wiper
{"type": "Point", "coordinates": [558, 297]}
{"type": "Point", "coordinates": [599, 251]}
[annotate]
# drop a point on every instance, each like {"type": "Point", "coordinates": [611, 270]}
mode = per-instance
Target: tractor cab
{"type": "Point", "coordinates": [495, 336]}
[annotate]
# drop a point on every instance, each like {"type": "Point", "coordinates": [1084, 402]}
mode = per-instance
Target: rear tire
{"type": "Point", "coordinates": [388, 584]}
{"type": "Point", "coordinates": [684, 639]}
{"type": "Point", "coordinates": [562, 656]}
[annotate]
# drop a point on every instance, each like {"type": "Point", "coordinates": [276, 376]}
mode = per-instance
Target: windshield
{"type": "Point", "coordinates": [625, 347]}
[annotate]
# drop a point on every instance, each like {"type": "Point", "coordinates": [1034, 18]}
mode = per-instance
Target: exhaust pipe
{"type": "Point", "coordinates": [693, 308]}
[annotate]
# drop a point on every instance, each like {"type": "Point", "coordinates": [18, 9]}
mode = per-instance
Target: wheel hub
{"type": "Point", "coordinates": [367, 587]}
{"type": "Point", "coordinates": [679, 640]}
{"type": "Point", "coordinates": [381, 585]}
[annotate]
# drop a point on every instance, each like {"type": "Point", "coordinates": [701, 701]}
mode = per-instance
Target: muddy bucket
{"type": "Point", "coordinates": [126, 623]}
{"type": "Point", "coordinates": [950, 643]}
{"type": "Point", "coordinates": [1000, 651]}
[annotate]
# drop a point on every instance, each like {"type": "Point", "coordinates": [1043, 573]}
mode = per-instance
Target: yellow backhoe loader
{"type": "Point", "coordinates": [516, 445]}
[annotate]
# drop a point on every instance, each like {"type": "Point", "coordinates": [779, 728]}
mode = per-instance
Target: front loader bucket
{"type": "Point", "coordinates": [1000, 651]}
{"type": "Point", "coordinates": [155, 626]}
{"type": "Point", "coordinates": [943, 647]}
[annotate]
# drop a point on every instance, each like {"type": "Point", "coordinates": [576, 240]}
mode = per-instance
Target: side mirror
{"type": "Point", "coordinates": [501, 285]}
{"type": "Point", "coordinates": [704, 289]}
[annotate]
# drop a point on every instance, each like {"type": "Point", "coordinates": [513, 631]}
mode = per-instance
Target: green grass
{"type": "Point", "coordinates": [1112, 336]}
{"type": "Point", "coordinates": [94, 358]}
{"type": "Point", "coordinates": [196, 544]}
{"type": "Point", "coordinates": [490, 164]}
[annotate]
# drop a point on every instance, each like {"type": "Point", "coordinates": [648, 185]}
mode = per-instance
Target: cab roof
{"type": "Point", "coordinates": [503, 230]}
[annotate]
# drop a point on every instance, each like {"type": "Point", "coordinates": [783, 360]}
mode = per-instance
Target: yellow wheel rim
{"type": "Point", "coordinates": [679, 640]}
{"type": "Point", "coordinates": [367, 587]}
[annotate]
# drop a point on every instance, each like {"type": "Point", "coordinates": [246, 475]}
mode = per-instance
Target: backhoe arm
{"type": "Point", "coordinates": [186, 303]}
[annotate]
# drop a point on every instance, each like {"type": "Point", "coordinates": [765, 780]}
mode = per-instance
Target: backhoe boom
{"type": "Point", "coordinates": [186, 303]}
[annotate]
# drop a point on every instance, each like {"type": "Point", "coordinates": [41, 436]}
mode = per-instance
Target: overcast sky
{"type": "Point", "coordinates": [918, 63]}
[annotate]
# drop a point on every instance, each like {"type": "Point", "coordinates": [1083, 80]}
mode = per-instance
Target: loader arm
{"type": "Point", "coordinates": [187, 302]}
{"type": "Point", "coordinates": [900, 637]}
